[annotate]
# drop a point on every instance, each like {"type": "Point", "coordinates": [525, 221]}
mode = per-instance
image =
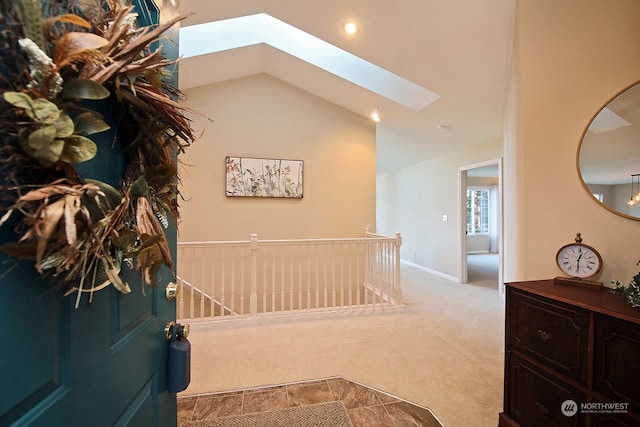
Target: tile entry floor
{"type": "Point", "coordinates": [365, 406]}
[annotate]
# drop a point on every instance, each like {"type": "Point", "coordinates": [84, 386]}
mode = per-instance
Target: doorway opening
{"type": "Point", "coordinates": [481, 258]}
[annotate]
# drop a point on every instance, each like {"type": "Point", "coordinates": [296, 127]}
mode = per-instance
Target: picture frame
{"type": "Point", "coordinates": [264, 177]}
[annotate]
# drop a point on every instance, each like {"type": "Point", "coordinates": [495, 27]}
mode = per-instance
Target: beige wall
{"type": "Point", "coordinates": [260, 116]}
{"type": "Point", "coordinates": [570, 57]}
{"type": "Point", "coordinates": [413, 200]}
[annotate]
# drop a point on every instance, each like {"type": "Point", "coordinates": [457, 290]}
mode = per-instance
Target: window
{"type": "Point", "coordinates": [478, 211]}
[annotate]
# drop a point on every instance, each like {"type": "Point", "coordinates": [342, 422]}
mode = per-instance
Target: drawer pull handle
{"type": "Point", "coordinates": [543, 409]}
{"type": "Point", "coordinates": [544, 335]}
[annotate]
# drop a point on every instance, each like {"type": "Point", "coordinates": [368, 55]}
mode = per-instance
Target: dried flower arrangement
{"type": "Point", "coordinates": [81, 232]}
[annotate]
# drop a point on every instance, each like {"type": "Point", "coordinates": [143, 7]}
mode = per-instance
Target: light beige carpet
{"type": "Point", "coordinates": [443, 349]}
{"type": "Point", "coordinates": [331, 414]}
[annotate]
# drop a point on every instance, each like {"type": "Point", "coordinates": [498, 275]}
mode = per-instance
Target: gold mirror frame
{"type": "Point", "coordinates": [605, 167]}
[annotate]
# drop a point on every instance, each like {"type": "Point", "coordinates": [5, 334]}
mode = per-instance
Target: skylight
{"type": "Point", "coordinates": [249, 30]}
{"type": "Point", "coordinates": [607, 120]}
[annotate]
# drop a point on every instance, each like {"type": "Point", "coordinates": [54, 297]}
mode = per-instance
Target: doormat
{"type": "Point", "coordinates": [330, 414]}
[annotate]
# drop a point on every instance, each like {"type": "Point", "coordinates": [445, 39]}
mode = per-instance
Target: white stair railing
{"type": "Point", "coordinates": [257, 277]}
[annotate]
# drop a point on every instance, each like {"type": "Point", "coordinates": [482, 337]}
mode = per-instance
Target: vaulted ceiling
{"type": "Point", "coordinates": [459, 51]}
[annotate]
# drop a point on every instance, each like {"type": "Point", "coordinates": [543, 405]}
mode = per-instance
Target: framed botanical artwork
{"type": "Point", "coordinates": [255, 177]}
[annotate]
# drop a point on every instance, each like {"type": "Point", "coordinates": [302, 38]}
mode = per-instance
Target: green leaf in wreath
{"type": "Point", "coordinates": [18, 99]}
{"type": "Point", "coordinates": [44, 111]}
{"type": "Point", "coordinates": [78, 149]}
{"type": "Point", "coordinates": [39, 109]}
{"type": "Point", "coordinates": [99, 205]}
{"type": "Point", "coordinates": [150, 240]}
{"type": "Point", "coordinates": [113, 196]}
{"type": "Point", "coordinates": [89, 123]}
{"type": "Point", "coordinates": [139, 188]}
{"type": "Point", "coordinates": [84, 89]}
{"type": "Point", "coordinates": [64, 126]}
{"type": "Point", "coordinates": [50, 154]}
{"type": "Point", "coordinates": [41, 138]}
{"type": "Point", "coordinates": [125, 240]}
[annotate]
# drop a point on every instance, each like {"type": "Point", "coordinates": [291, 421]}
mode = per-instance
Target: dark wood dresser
{"type": "Point", "coordinates": [568, 343]}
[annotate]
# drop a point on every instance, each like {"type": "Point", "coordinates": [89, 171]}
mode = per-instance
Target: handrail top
{"type": "Point", "coordinates": [384, 239]}
{"type": "Point", "coordinates": [369, 234]}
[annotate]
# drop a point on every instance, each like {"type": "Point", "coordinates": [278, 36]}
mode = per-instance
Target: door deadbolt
{"type": "Point", "coordinates": [172, 290]}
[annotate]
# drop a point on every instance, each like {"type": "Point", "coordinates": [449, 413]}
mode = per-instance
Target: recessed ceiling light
{"type": "Point", "coordinates": [375, 115]}
{"type": "Point", "coordinates": [350, 27]}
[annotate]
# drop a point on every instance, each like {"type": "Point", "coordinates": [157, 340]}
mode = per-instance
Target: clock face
{"type": "Point", "coordinates": [578, 260]}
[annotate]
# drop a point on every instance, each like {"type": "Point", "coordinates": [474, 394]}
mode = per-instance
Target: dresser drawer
{"type": "Point", "coordinates": [556, 334]}
{"type": "Point", "coordinates": [536, 398]}
{"type": "Point", "coordinates": [616, 360]}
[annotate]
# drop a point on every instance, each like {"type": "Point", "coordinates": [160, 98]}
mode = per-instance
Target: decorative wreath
{"type": "Point", "coordinates": [56, 66]}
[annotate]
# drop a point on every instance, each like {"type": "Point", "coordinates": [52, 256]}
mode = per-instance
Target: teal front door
{"type": "Point", "coordinates": [102, 364]}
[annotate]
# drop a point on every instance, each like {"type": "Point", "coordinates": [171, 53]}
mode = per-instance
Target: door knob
{"type": "Point", "coordinates": [168, 330]}
{"type": "Point", "coordinates": [172, 291]}
{"type": "Point", "coordinates": [181, 331]}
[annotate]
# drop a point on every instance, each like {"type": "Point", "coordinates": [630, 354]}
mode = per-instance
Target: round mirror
{"type": "Point", "coordinates": [609, 154]}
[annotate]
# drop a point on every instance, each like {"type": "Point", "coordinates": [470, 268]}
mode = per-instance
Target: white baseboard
{"type": "Point", "coordinates": [428, 270]}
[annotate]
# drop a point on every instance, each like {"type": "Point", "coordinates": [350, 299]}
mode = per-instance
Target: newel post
{"type": "Point", "coordinates": [253, 298]}
{"type": "Point", "coordinates": [398, 287]}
